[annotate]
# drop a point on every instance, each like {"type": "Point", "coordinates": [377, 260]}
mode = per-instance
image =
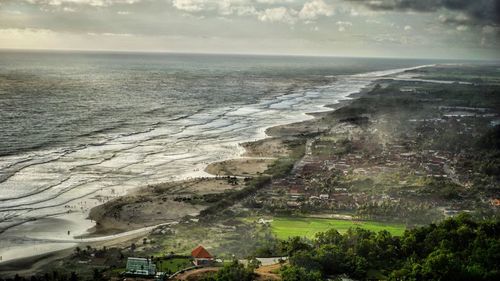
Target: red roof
{"type": "Point", "coordinates": [201, 253]}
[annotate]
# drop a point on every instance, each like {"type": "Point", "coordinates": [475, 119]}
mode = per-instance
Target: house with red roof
{"type": "Point", "coordinates": [201, 256]}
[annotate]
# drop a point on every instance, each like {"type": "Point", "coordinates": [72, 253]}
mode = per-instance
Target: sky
{"type": "Point", "coordinates": [455, 29]}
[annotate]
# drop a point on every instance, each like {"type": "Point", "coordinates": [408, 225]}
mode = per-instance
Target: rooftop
{"type": "Point", "coordinates": [201, 253]}
{"type": "Point", "coordinates": [140, 266]}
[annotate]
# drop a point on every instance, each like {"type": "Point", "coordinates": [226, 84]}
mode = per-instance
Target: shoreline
{"type": "Point", "coordinates": [118, 228]}
{"type": "Point", "coordinates": [273, 131]}
{"type": "Point", "coordinates": [266, 133]}
{"type": "Point", "coordinates": [247, 151]}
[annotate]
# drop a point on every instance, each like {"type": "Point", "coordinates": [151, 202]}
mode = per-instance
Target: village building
{"type": "Point", "coordinates": [201, 256]}
{"type": "Point", "coordinates": [408, 89]}
{"type": "Point", "coordinates": [140, 266]}
{"type": "Point", "coordinates": [495, 202]}
{"type": "Point", "coordinates": [293, 204]}
{"type": "Point", "coordinates": [296, 194]}
{"type": "Point", "coordinates": [264, 221]}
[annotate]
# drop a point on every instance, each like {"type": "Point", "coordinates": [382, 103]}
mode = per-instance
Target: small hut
{"type": "Point", "coordinates": [201, 256]}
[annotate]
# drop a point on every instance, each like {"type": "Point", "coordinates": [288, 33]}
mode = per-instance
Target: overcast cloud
{"type": "Point", "coordinates": [397, 28]}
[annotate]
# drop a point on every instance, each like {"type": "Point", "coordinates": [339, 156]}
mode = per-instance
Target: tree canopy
{"type": "Point", "coordinates": [456, 249]}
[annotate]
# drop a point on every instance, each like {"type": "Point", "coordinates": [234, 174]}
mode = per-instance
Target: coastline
{"type": "Point", "coordinates": [251, 160]}
{"type": "Point", "coordinates": [107, 226]}
{"type": "Point", "coordinates": [388, 159]}
{"type": "Point", "coordinates": [304, 127]}
{"type": "Point", "coordinates": [270, 133]}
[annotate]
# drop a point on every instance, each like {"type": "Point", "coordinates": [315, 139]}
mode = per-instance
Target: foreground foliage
{"type": "Point", "coordinates": [455, 249]}
{"type": "Point", "coordinates": [232, 272]}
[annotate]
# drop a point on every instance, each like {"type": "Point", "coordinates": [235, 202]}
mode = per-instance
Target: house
{"type": "Point", "coordinates": [495, 202]}
{"type": "Point", "coordinates": [324, 196]}
{"type": "Point", "coordinates": [450, 212]}
{"type": "Point", "coordinates": [296, 194]}
{"type": "Point", "coordinates": [201, 256]}
{"type": "Point", "coordinates": [293, 204]}
{"type": "Point", "coordinates": [264, 221]}
{"type": "Point", "coordinates": [408, 89]}
{"type": "Point", "coordinates": [140, 266]}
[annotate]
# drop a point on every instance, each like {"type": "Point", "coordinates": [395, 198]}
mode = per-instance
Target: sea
{"type": "Point", "coordinates": [80, 128]}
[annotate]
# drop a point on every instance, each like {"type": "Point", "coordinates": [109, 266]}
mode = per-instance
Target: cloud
{"type": "Point", "coordinates": [274, 1]}
{"type": "Point", "coordinates": [372, 21]}
{"type": "Point", "coordinates": [280, 14]}
{"type": "Point", "coordinates": [220, 7]}
{"type": "Point", "coordinates": [17, 32]}
{"type": "Point", "coordinates": [486, 39]}
{"type": "Point", "coordinates": [313, 9]}
{"type": "Point", "coordinates": [280, 11]}
{"type": "Point", "coordinates": [343, 25]}
{"type": "Point", "coordinates": [488, 29]}
{"type": "Point", "coordinates": [95, 3]}
{"type": "Point", "coordinates": [110, 34]}
{"type": "Point", "coordinates": [194, 5]}
{"type": "Point", "coordinates": [477, 11]}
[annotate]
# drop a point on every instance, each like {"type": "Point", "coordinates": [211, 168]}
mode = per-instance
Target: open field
{"type": "Point", "coordinates": [174, 264]}
{"type": "Point", "coordinates": [285, 227]}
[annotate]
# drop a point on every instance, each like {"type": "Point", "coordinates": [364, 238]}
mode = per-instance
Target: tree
{"type": "Point", "coordinates": [234, 271]}
{"type": "Point", "coordinates": [253, 263]}
{"type": "Point", "coordinates": [97, 275]}
{"type": "Point", "coordinates": [231, 272]}
{"type": "Point", "coordinates": [331, 236]}
{"type": "Point", "coordinates": [441, 265]}
{"type": "Point", "coordinates": [295, 244]}
{"type": "Point", "coordinates": [456, 249]}
{"type": "Point", "coordinates": [306, 259]}
{"type": "Point", "coordinates": [332, 259]}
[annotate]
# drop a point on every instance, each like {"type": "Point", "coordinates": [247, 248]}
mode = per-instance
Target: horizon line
{"type": "Point", "coordinates": [236, 54]}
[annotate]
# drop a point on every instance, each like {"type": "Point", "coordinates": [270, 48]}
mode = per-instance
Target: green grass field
{"type": "Point", "coordinates": [285, 227]}
{"type": "Point", "coordinates": [174, 265]}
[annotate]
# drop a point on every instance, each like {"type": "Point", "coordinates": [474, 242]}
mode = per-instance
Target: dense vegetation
{"type": "Point", "coordinates": [455, 249]}
{"type": "Point", "coordinates": [232, 272]}
{"type": "Point", "coordinates": [488, 154]}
